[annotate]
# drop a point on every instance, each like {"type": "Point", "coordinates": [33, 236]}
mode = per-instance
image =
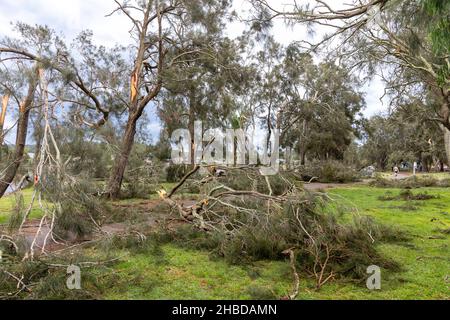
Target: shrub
{"type": "Point", "coordinates": [407, 195]}
{"type": "Point", "coordinates": [328, 172]}
{"type": "Point", "coordinates": [410, 182]}
{"type": "Point", "coordinates": [251, 179]}
{"type": "Point", "coordinates": [176, 172]}
{"type": "Point", "coordinates": [140, 182]}
{"type": "Point", "coordinates": [77, 207]}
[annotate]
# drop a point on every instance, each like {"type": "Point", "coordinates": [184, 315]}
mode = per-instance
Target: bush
{"type": "Point", "coordinates": [410, 182]}
{"type": "Point", "coordinates": [329, 172]}
{"type": "Point", "coordinates": [252, 180]}
{"type": "Point", "coordinates": [140, 182]}
{"type": "Point", "coordinates": [176, 172]}
{"type": "Point", "coordinates": [407, 195]}
{"type": "Point", "coordinates": [77, 207]}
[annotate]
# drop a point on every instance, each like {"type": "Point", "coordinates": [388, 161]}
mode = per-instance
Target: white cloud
{"type": "Point", "coordinates": [68, 17]}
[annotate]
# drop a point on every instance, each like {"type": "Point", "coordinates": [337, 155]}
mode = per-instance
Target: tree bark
{"type": "Point", "coordinates": [191, 123]}
{"type": "Point", "coordinates": [21, 138]}
{"type": "Point", "coordinates": [118, 171]}
{"type": "Point", "coordinates": [38, 136]}
{"type": "Point", "coordinates": [447, 143]}
{"type": "Point", "coordinates": [5, 100]}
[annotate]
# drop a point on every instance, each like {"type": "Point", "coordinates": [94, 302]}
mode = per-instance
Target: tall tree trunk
{"type": "Point", "coordinates": [21, 138]}
{"type": "Point", "coordinates": [191, 128]}
{"type": "Point", "coordinates": [447, 143]}
{"type": "Point", "coordinates": [303, 157]}
{"type": "Point", "coordinates": [137, 101]}
{"type": "Point", "coordinates": [5, 100]}
{"type": "Point", "coordinates": [38, 136]}
{"type": "Point", "coordinates": [121, 161]}
{"type": "Point", "coordinates": [445, 125]}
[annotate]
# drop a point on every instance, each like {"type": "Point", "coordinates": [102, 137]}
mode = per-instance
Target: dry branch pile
{"type": "Point", "coordinates": [267, 220]}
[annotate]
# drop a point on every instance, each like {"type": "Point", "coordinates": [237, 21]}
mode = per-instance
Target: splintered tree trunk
{"type": "Point", "coordinates": [121, 161]}
{"type": "Point", "coordinates": [21, 138]}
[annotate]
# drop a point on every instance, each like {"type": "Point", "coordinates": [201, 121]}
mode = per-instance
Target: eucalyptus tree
{"type": "Point", "coordinates": [402, 137]}
{"type": "Point", "coordinates": [323, 110]}
{"type": "Point", "coordinates": [19, 82]}
{"type": "Point", "coordinates": [206, 86]}
{"type": "Point", "coordinates": [84, 85]}
{"type": "Point", "coordinates": [407, 42]}
{"type": "Point", "coordinates": [99, 81]}
{"type": "Point", "coordinates": [164, 33]}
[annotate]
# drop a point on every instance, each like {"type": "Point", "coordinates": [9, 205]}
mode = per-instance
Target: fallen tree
{"type": "Point", "coordinates": [248, 225]}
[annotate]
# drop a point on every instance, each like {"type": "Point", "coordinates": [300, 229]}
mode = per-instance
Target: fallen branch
{"type": "Point", "coordinates": [294, 294]}
{"type": "Point", "coordinates": [182, 182]}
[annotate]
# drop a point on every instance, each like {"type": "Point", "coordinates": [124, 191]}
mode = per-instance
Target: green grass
{"type": "Point", "coordinates": [172, 272]}
{"type": "Point", "coordinates": [8, 202]}
{"type": "Point", "coordinates": [426, 262]}
{"type": "Point", "coordinates": [193, 274]}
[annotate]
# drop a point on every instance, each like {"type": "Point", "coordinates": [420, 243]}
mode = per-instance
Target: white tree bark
{"type": "Point", "coordinates": [447, 143]}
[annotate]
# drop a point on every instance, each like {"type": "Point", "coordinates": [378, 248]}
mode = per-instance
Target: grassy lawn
{"type": "Point", "coordinates": [177, 273]}
{"type": "Point", "coordinates": [426, 262]}
{"type": "Point", "coordinates": [9, 202]}
{"type": "Point", "coordinates": [172, 272]}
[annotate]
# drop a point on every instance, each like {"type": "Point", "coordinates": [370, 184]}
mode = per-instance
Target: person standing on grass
{"type": "Point", "coordinates": [395, 171]}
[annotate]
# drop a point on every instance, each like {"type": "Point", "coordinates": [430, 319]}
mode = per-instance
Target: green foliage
{"type": "Point", "coordinates": [439, 23]}
{"type": "Point", "coordinates": [305, 225]}
{"type": "Point", "coordinates": [250, 179]}
{"type": "Point", "coordinates": [328, 172]}
{"type": "Point", "coordinates": [411, 182]}
{"type": "Point", "coordinates": [400, 138]}
{"type": "Point", "coordinates": [78, 209]}
{"type": "Point", "coordinates": [143, 174]}
{"type": "Point", "coordinates": [407, 195]}
{"type": "Point", "coordinates": [176, 172]}
{"type": "Point", "coordinates": [326, 132]}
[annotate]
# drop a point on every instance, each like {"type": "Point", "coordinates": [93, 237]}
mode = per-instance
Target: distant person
{"type": "Point", "coordinates": [396, 171]}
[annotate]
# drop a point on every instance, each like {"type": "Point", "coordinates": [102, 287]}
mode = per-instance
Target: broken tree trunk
{"type": "Point", "coordinates": [21, 138]}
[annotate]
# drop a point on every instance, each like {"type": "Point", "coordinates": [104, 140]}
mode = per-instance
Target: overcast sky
{"type": "Point", "coordinates": [71, 17]}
